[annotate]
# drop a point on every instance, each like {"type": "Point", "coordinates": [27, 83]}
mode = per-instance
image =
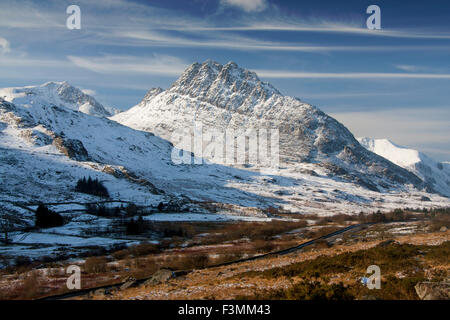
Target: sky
{"type": "Point", "coordinates": [390, 83]}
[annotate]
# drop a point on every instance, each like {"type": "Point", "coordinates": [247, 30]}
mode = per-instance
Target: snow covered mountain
{"type": "Point", "coordinates": [435, 174]}
{"type": "Point", "coordinates": [229, 97]}
{"type": "Point", "coordinates": [59, 94]}
{"type": "Point", "coordinates": [54, 134]}
{"type": "Point", "coordinates": [45, 148]}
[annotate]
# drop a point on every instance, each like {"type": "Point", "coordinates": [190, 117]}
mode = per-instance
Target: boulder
{"type": "Point", "coordinates": [160, 276]}
{"type": "Point", "coordinates": [433, 290]}
{"type": "Point", "coordinates": [386, 243]}
{"type": "Point", "coordinates": [128, 283]}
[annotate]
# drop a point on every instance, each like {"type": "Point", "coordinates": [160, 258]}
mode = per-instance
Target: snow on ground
{"type": "Point", "coordinates": [58, 239]}
{"type": "Point", "coordinates": [201, 217]}
{"type": "Point", "coordinates": [401, 156]}
{"type": "Point", "coordinates": [36, 245]}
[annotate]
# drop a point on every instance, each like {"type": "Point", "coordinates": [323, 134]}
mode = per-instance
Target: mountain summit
{"type": "Point", "coordinates": [229, 97]}
{"type": "Point", "coordinates": [60, 94]}
{"type": "Point", "coordinates": [226, 86]}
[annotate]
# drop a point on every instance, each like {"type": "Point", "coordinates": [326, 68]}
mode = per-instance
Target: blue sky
{"type": "Point", "coordinates": [391, 83]}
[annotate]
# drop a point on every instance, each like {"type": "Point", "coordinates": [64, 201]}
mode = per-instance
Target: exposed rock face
{"type": "Point", "coordinates": [130, 282]}
{"type": "Point", "coordinates": [72, 148]}
{"type": "Point", "coordinates": [229, 97]}
{"type": "Point", "coordinates": [387, 243]}
{"type": "Point", "coordinates": [433, 290]}
{"type": "Point", "coordinates": [122, 173]}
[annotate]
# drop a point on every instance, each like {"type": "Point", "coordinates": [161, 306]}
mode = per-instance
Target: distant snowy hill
{"type": "Point", "coordinates": [435, 174]}
{"type": "Point", "coordinates": [229, 97]}
{"type": "Point", "coordinates": [59, 94]}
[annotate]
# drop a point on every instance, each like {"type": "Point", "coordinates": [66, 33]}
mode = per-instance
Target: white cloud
{"type": "Point", "coordinates": [414, 68]}
{"type": "Point", "coordinates": [236, 42]}
{"type": "Point", "coordinates": [408, 68]}
{"type": "Point", "coordinates": [347, 75]}
{"type": "Point", "coordinates": [18, 62]}
{"type": "Point", "coordinates": [246, 5]}
{"type": "Point", "coordinates": [89, 92]}
{"type": "Point", "coordinates": [115, 64]}
{"type": "Point", "coordinates": [4, 46]}
{"type": "Point", "coordinates": [28, 15]}
{"type": "Point", "coordinates": [281, 23]}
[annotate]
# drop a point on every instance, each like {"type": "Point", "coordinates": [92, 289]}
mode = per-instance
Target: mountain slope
{"type": "Point", "coordinates": [133, 164]}
{"type": "Point", "coordinates": [46, 148]}
{"type": "Point", "coordinates": [59, 94]}
{"type": "Point", "coordinates": [434, 173]}
{"type": "Point", "coordinates": [229, 97]}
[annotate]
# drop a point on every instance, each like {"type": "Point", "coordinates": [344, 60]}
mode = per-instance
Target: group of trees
{"type": "Point", "coordinates": [46, 218]}
{"type": "Point", "coordinates": [136, 226]}
{"type": "Point", "coordinates": [5, 227]}
{"type": "Point", "coordinates": [92, 186]}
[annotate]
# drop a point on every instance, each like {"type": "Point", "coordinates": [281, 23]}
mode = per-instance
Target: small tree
{"type": "Point", "coordinates": [137, 226]}
{"type": "Point", "coordinates": [46, 218]}
{"type": "Point", "coordinates": [132, 210]}
{"type": "Point", "coordinates": [5, 227]}
{"type": "Point", "coordinates": [92, 186]}
{"type": "Point", "coordinates": [398, 215]}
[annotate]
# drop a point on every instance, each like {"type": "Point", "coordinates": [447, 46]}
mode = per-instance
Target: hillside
{"type": "Point", "coordinates": [435, 174]}
{"type": "Point", "coordinates": [227, 97]}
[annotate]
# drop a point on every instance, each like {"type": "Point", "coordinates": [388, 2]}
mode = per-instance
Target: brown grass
{"type": "Point", "coordinates": [95, 265]}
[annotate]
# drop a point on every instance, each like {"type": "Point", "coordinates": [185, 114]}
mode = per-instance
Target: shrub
{"type": "Point", "coordinates": [439, 220]}
{"type": "Point", "coordinates": [263, 246]}
{"type": "Point", "coordinates": [137, 226]}
{"type": "Point", "coordinates": [31, 285]}
{"type": "Point", "coordinates": [95, 264]}
{"type": "Point", "coordinates": [46, 218]}
{"type": "Point", "coordinates": [22, 261]}
{"type": "Point", "coordinates": [101, 210]}
{"type": "Point", "coordinates": [144, 249]}
{"type": "Point", "coordinates": [92, 186]}
{"type": "Point", "coordinates": [132, 210]}
{"type": "Point", "coordinates": [189, 261]}
{"type": "Point", "coordinates": [308, 290]}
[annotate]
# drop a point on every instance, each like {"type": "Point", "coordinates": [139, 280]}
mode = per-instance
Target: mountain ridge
{"type": "Point", "coordinates": [61, 94]}
{"type": "Point", "coordinates": [230, 97]}
{"type": "Point", "coordinates": [46, 148]}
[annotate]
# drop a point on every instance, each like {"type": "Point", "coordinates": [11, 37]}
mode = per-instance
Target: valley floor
{"type": "Point", "coordinates": [409, 251]}
{"type": "Point", "coordinates": [282, 277]}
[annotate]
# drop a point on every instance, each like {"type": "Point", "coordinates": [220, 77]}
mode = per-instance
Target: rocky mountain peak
{"type": "Point", "coordinates": [152, 93]}
{"type": "Point", "coordinates": [226, 86]}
